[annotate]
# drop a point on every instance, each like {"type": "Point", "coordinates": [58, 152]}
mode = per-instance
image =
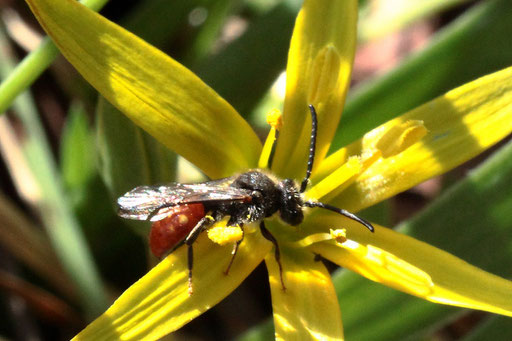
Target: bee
{"type": "Point", "coordinates": [180, 212]}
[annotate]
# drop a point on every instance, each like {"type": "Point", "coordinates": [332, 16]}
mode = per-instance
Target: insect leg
{"type": "Point", "coordinates": [191, 238]}
{"type": "Point", "coordinates": [277, 254]}
{"type": "Point", "coordinates": [312, 147]}
{"type": "Point", "coordinates": [190, 260]}
{"type": "Point", "coordinates": [235, 250]}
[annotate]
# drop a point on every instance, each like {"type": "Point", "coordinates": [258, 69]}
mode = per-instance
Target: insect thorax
{"type": "Point", "coordinates": [268, 198]}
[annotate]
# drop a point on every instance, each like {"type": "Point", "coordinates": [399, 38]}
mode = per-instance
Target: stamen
{"type": "Point", "coordinates": [312, 239]}
{"type": "Point", "coordinates": [274, 119]}
{"type": "Point", "coordinates": [339, 235]}
{"type": "Point", "coordinates": [275, 122]}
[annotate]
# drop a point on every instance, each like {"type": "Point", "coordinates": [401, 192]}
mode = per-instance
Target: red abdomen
{"type": "Point", "coordinates": [166, 234]}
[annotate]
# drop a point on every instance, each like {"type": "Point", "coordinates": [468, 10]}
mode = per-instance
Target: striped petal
{"type": "Point", "coordinates": [318, 72]}
{"type": "Point", "coordinates": [427, 141]}
{"type": "Point", "coordinates": [308, 309]}
{"type": "Point", "coordinates": [159, 302]}
{"type": "Point", "coordinates": [156, 92]}
{"type": "Point", "coordinates": [417, 268]}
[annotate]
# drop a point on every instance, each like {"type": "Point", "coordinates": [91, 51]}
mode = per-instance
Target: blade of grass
{"type": "Point", "coordinates": [54, 208]}
{"type": "Point", "coordinates": [33, 65]}
{"type": "Point", "coordinates": [30, 246]}
{"type": "Point", "coordinates": [49, 306]}
{"type": "Point", "coordinates": [89, 197]}
{"type": "Point", "coordinates": [390, 18]}
{"type": "Point", "coordinates": [494, 328]}
{"type": "Point", "coordinates": [77, 152]}
{"type": "Point", "coordinates": [217, 13]}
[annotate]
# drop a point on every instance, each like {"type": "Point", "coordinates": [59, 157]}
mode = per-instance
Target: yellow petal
{"type": "Point", "coordinates": [308, 309]}
{"type": "Point", "coordinates": [159, 302]}
{"type": "Point", "coordinates": [458, 125]}
{"type": "Point", "coordinates": [318, 73]}
{"type": "Point", "coordinates": [414, 267]}
{"type": "Point", "coordinates": [156, 92]}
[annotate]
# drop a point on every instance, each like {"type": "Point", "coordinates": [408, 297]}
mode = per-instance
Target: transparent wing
{"type": "Point", "coordinates": [143, 202]}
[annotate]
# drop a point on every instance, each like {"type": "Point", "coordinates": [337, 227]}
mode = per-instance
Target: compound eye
{"type": "Point", "coordinates": [291, 204]}
{"type": "Point", "coordinates": [292, 215]}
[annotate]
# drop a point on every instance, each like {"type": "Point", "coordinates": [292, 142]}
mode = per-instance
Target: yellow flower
{"type": "Point", "coordinates": [176, 107]}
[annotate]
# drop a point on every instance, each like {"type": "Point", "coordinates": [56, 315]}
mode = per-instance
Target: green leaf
{"type": "Point", "coordinates": [244, 71]}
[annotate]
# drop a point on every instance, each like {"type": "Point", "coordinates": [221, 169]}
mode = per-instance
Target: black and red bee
{"type": "Point", "coordinates": [180, 212]}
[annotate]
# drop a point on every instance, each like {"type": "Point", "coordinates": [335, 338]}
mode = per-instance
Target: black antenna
{"type": "Point", "coordinates": [342, 212]}
{"type": "Point", "coordinates": [304, 184]}
{"type": "Point", "coordinates": [312, 147]}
